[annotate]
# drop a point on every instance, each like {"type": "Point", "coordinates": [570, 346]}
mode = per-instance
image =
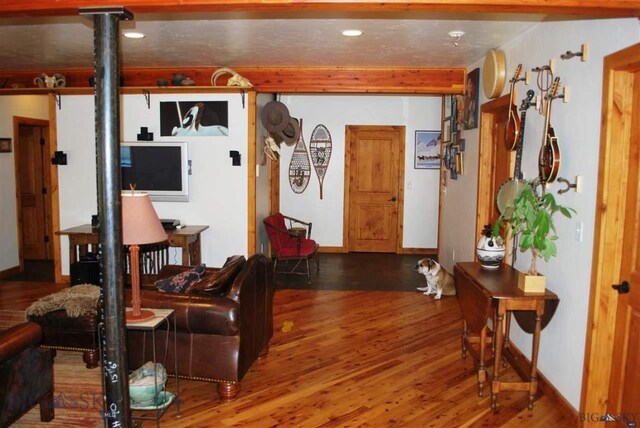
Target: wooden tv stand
{"type": "Point", "coordinates": [485, 293]}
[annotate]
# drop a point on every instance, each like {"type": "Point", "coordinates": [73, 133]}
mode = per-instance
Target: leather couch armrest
{"type": "Point", "coordinates": [196, 313]}
{"type": "Point", "coordinates": [18, 338]}
{"type": "Point", "coordinates": [171, 270]}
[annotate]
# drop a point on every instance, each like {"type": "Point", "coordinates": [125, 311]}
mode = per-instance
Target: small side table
{"type": "Point", "coordinates": [162, 317]}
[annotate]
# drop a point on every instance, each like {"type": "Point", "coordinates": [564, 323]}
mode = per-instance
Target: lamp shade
{"type": "Point", "coordinates": [140, 223]}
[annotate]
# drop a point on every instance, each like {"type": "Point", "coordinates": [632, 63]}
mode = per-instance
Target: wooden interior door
{"type": "Point", "coordinates": [374, 158]}
{"type": "Point", "coordinates": [496, 163]}
{"type": "Point", "coordinates": [33, 173]}
{"type": "Point", "coordinates": [624, 388]}
{"type": "Point", "coordinates": [611, 379]}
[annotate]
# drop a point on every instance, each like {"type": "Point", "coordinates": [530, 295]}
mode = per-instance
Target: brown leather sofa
{"type": "Point", "coordinates": [26, 374]}
{"type": "Point", "coordinates": [219, 336]}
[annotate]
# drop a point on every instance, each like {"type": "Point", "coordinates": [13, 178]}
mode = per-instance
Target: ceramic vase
{"type": "Point", "coordinates": [490, 251]}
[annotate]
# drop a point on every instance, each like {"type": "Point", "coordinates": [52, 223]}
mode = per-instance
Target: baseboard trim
{"type": "Point", "coordinates": [331, 250]}
{"type": "Point", "coordinates": [517, 358]}
{"type": "Point", "coordinates": [7, 273]}
{"type": "Point", "coordinates": [425, 251]}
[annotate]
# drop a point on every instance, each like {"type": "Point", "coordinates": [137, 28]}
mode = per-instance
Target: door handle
{"type": "Point", "coordinates": [392, 199]}
{"type": "Point", "coordinates": [621, 288]}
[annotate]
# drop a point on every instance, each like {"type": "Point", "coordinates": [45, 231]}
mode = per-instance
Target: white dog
{"type": "Point", "coordinates": [439, 281]}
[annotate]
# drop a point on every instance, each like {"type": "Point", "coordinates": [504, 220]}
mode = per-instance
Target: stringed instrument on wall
{"type": "Point", "coordinates": [549, 158]}
{"type": "Point", "coordinates": [512, 129]}
{"type": "Point", "coordinates": [510, 189]}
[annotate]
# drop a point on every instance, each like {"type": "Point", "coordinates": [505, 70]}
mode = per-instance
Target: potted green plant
{"type": "Point", "coordinates": [530, 216]}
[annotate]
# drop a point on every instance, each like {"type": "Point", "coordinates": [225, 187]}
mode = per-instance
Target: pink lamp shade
{"type": "Point", "coordinates": [140, 223]}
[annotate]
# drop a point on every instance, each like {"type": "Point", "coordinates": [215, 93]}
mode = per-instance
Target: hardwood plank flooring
{"type": "Point", "coordinates": [352, 359]}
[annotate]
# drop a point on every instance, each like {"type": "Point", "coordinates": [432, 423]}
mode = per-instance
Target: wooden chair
{"type": "Point", "coordinates": [291, 246]}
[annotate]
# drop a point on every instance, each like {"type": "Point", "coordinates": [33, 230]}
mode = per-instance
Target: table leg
{"type": "Point", "coordinates": [482, 371]}
{"type": "Point", "coordinates": [533, 381]}
{"type": "Point", "coordinates": [464, 339]}
{"type": "Point", "coordinates": [507, 329]}
{"type": "Point", "coordinates": [495, 384]}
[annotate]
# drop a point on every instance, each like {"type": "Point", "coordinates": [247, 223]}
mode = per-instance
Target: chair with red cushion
{"type": "Point", "coordinates": [290, 246]}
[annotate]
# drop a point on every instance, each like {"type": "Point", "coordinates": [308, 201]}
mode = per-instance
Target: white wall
{"type": "Point", "coordinates": [31, 106]}
{"type": "Point", "coordinates": [338, 111]}
{"type": "Point", "coordinates": [577, 125]}
{"type": "Point", "coordinates": [218, 190]}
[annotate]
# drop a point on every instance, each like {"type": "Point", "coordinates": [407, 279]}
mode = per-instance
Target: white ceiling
{"type": "Point", "coordinates": [264, 39]}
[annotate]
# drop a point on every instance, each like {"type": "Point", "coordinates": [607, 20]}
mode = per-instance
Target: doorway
{"type": "Point", "coordinates": [611, 380]}
{"type": "Point", "coordinates": [496, 163]}
{"type": "Point", "coordinates": [373, 195]}
{"type": "Point", "coordinates": [34, 195]}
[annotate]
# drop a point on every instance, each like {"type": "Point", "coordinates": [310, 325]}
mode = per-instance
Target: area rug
{"type": "Point", "coordinates": [78, 300]}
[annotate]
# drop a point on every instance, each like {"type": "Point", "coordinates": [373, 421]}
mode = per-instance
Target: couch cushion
{"type": "Point", "coordinates": [217, 282]}
{"type": "Point", "coordinates": [180, 282]}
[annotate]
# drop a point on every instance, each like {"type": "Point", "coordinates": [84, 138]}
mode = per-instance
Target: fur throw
{"type": "Point", "coordinates": [77, 301]}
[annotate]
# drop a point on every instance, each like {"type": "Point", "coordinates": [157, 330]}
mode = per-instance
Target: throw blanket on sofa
{"type": "Point", "coordinates": [77, 301]}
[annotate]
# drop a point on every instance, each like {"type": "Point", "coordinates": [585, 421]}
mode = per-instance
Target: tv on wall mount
{"type": "Point", "coordinates": [160, 169]}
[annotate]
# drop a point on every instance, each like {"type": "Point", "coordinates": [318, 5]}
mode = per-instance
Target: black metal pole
{"type": "Point", "coordinates": [107, 117]}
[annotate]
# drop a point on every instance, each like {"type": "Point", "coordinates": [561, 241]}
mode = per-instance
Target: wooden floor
{"type": "Point", "coordinates": [352, 359]}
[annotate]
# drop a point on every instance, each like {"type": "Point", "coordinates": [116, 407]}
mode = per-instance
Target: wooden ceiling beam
{"type": "Point", "coordinates": [598, 8]}
{"type": "Point", "coordinates": [280, 79]}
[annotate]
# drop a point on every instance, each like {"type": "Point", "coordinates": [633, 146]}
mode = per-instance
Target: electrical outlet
{"type": "Point", "coordinates": [453, 255]}
{"type": "Point", "coordinates": [262, 248]}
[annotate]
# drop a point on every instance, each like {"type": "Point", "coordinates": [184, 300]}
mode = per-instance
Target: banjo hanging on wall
{"type": "Point", "coordinates": [299, 167]}
{"type": "Point", "coordinates": [320, 149]}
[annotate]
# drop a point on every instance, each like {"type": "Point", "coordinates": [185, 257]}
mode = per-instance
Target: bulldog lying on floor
{"type": "Point", "coordinates": [439, 281]}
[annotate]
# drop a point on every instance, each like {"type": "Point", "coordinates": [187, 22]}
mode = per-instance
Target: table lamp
{"type": "Point", "coordinates": [140, 225]}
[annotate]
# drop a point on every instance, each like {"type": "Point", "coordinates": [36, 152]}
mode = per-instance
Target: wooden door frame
{"type": "Point", "coordinates": [400, 178]}
{"type": "Point", "coordinates": [486, 152]}
{"type": "Point", "coordinates": [615, 143]}
{"type": "Point", "coordinates": [52, 176]}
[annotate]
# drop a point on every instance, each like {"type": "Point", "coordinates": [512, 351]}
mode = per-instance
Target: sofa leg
{"type": "Point", "coordinates": [265, 351]}
{"type": "Point", "coordinates": [228, 391]}
{"type": "Point", "coordinates": [46, 407]}
{"type": "Point", "coordinates": [91, 359]}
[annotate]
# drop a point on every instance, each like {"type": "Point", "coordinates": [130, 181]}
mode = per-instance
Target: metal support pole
{"type": "Point", "coordinates": [107, 117]}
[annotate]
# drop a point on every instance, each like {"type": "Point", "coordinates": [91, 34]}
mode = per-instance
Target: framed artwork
{"type": "Point", "coordinates": [461, 144]}
{"type": "Point", "coordinates": [446, 130]}
{"type": "Point", "coordinates": [452, 158]}
{"type": "Point", "coordinates": [470, 120]}
{"type": "Point", "coordinates": [427, 150]}
{"type": "Point", "coordinates": [454, 114]}
{"type": "Point", "coordinates": [446, 153]}
{"type": "Point", "coordinates": [194, 118]}
{"type": "Point", "coordinates": [5, 145]}
{"type": "Point", "coordinates": [447, 106]}
{"type": "Point", "coordinates": [459, 163]}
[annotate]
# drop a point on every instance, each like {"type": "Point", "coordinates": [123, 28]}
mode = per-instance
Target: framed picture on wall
{"type": "Point", "coordinates": [5, 145]}
{"type": "Point", "coordinates": [447, 106]}
{"type": "Point", "coordinates": [194, 118]}
{"type": "Point", "coordinates": [470, 119]}
{"type": "Point", "coordinates": [446, 130]}
{"type": "Point", "coordinates": [427, 150]}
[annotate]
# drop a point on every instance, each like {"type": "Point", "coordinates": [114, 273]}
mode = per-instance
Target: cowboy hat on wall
{"type": "Point", "coordinates": [280, 125]}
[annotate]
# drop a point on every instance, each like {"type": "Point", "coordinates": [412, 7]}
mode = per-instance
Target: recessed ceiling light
{"type": "Point", "coordinates": [133, 35]}
{"type": "Point", "coordinates": [352, 33]}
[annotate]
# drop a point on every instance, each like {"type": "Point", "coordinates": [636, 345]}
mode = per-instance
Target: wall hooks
{"type": "Point", "coordinates": [242, 96]}
{"type": "Point", "coordinates": [576, 185]}
{"type": "Point", "coordinates": [147, 97]}
{"type": "Point", "coordinates": [58, 99]}
{"type": "Point", "coordinates": [583, 54]}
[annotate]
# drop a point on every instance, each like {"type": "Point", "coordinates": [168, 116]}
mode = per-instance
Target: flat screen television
{"type": "Point", "coordinates": [158, 168]}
